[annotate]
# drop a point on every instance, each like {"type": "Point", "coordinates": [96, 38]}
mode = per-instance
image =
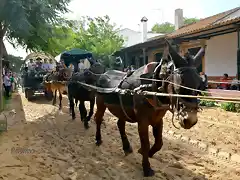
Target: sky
{"type": "Point", "coordinates": [128, 13]}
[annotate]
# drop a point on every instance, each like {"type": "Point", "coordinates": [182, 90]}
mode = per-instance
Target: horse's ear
{"type": "Point", "coordinates": [198, 58]}
{"type": "Point", "coordinates": [176, 58]}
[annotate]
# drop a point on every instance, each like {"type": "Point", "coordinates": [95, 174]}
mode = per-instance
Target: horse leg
{"type": "Point", "coordinates": [126, 145]}
{"type": "Point", "coordinates": [60, 101]}
{"type": "Point", "coordinates": [99, 118]}
{"type": "Point", "coordinates": [92, 103]}
{"type": "Point", "coordinates": [71, 105]}
{"type": "Point", "coordinates": [145, 147]}
{"type": "Point", "coordinates": [157, 133]}
{"type": "Point", "coordinates": [76, 102]}
{"type": "Point", "coordinates": [83, 113]}
{"type": "Point", "coordinates": [55, 97]}
{"type": "Point", "coordinates": [82, 110]}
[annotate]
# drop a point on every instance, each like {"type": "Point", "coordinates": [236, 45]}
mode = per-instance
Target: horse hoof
{"type": "Point", "coordinates": [128, 151]}
{"type": "Point", "coordinates": [98, 142]}
{"type": "Point", "coordinates": [73, 117]}
{"type": "Point", "coordinates": [140, 151]}
{"type": "Point", "coordinates": [86, 126]}
{"type": "Point", "coordinates": [149, 172]}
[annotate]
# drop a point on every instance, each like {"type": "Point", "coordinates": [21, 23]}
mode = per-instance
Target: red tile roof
{"type": "Point", "coordinates": [223, 18]}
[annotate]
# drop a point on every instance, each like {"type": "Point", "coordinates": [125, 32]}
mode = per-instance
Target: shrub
{"type": "Point", "coordinates": [233, 107]}
{"type": "Point", "coordinates": [207, 103]}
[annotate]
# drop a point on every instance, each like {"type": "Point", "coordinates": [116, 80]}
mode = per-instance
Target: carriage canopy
{"type": "Point", "coordinates": [75, 55]}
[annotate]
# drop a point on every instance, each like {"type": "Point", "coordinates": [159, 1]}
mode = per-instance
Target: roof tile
{"type": "Point", "coordinates": [218, 19]}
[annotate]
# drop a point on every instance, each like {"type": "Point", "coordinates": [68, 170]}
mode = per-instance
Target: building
{"type": "Point", "coordinates": [131, 53]}
{"type": "Point", "coordinates": [132, 37]}
{"type": "Point", "coordinates": [220, 33]}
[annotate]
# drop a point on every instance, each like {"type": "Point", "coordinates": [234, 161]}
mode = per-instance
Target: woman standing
{"type": "Point", "coordinates": [7, 84]}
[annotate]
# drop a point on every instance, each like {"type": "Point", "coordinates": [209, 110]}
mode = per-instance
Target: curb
{"type": "Point", "coordinates": [215, 152]}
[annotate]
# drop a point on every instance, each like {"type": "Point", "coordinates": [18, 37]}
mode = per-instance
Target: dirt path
{"type": "Point", "coordinates": [216, 127]}
{"type": "Point", "coordinates": [42, 144]}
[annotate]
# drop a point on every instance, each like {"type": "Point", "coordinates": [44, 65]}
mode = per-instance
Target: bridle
{"type": "Point", "coordinates": [177, 104]}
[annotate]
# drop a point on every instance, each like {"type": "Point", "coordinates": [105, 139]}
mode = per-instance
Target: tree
{"type": "Point", "coordinates": [169, 28]}
{"type": "Point", "coordinates": [97, 35]}
{"type": "Point", "coordinates": [15, 62]}
{"type": "Point", "coordinates": [163, 28]}
{"type": "Point", "coordinates": [28, 23]}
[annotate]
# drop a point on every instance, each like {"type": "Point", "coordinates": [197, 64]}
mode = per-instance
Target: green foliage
{"type": "Point", "coordinates": [29, 22]}
{"type": "Point", "coordinates": [169, 27]}
{"type": "Point", "coordinates": [163, 28]}
{"type": "Point", "coordinates": [97, 35]}
{"type": "Point", "coordinates": [15, 62]}
{"type": "Point", "coordinates": [233, 107]}
{"type": "Point", "coordinates": [207, 103]}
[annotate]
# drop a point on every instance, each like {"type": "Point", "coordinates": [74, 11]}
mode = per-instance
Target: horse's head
{"type": "Point", "coordinates": [94, 72]}
{"type": "Point", "coordinates": [66, 73]}
{"type": "Point", "coordinates": [184, 74]}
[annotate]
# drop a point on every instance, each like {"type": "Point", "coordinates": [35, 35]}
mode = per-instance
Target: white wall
{"type": "Point", "coordinates": [221, 55]}
{"type": "Point", "coordinates": [132, 37]}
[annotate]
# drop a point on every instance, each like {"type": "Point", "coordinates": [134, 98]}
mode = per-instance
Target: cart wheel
{"type": "Point", "coordinates": [29, 94]}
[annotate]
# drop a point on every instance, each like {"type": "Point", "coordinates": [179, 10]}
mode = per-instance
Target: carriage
{"type": "Point", "coordinates": [32, 79]}
{"type": "Point", "coordinates": [74, 57]}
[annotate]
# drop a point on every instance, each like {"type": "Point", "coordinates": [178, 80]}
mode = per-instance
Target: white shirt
{"type": "Point", "coordinates": [87, 64]}
{"type": "Point", "coordinates": [81, 67]}
{"type": "Point", "coordinates": [45, 66]}
{"type": "Point", "coordinates": [51, 66]}
{"type": "Point", "coordinates": [7, 81]}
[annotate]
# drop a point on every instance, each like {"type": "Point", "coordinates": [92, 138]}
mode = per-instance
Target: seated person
{"type": "Point", "coordinates": [31, 65]}
{"type": "Point", "coordinates": [45, 65]}
{"type": "Point", "coordinates": [51, 65]}
{"type": "Point", "coordinates": [204, 79]}
{"type": "Point", "coordinates": [81, 66]}
{"type": "Point", "coordinates": [225, 81]}
{"type": "Point", "coordinates": [235, 83]}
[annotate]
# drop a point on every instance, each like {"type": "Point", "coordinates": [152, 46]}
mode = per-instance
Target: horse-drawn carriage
{"type": "Point", "coordinates": [32, 75]}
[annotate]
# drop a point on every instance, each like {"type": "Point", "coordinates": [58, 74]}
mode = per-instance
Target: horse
{"type": "Point", "coordinates": [55, 81]}
{"type": "Point", "coordinates": [78, 93]}
{"type": "Point", "coordinates": [150, 110]}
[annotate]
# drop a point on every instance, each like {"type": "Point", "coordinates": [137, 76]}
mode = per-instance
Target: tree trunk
{"type": "Point", "coordinates": [3, 30]}
{"type": "Point", "coordinates": [1, 74]}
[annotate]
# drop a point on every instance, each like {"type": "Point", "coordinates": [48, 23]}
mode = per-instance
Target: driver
{"type": "Point", "coordinates": [51, 65]}
{"type": "Point", "coordinates": [45, 65]}
{"type": "Point", "coordinates": [81, 66]}
{"type": "Point", "coordinates": [31, 65]}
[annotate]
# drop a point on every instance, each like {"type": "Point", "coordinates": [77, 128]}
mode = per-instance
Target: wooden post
{"type": "Point", "coordinates": [238, 55]}
{"type": "Point", "coordinates": [144, 55]}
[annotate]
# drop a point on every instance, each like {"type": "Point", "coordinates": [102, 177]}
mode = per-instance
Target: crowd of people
{"type": "Point", "coordinates": [47, 65]}
{"type": "Point", "coordinates": [224, 83]}
{"type": "Point", "coordinates": [10, 82]}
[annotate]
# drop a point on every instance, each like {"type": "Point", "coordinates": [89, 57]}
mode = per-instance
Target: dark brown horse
{"type": "Point", "coordinates": [147, 110]}
{"type": "Point", "coordinates": [78, 93]}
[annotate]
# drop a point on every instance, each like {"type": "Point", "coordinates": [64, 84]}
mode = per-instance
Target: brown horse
{"type": "Point", "coordinates": [56, 82]}
{"type": "Point", "coordinates": [146, 110]}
